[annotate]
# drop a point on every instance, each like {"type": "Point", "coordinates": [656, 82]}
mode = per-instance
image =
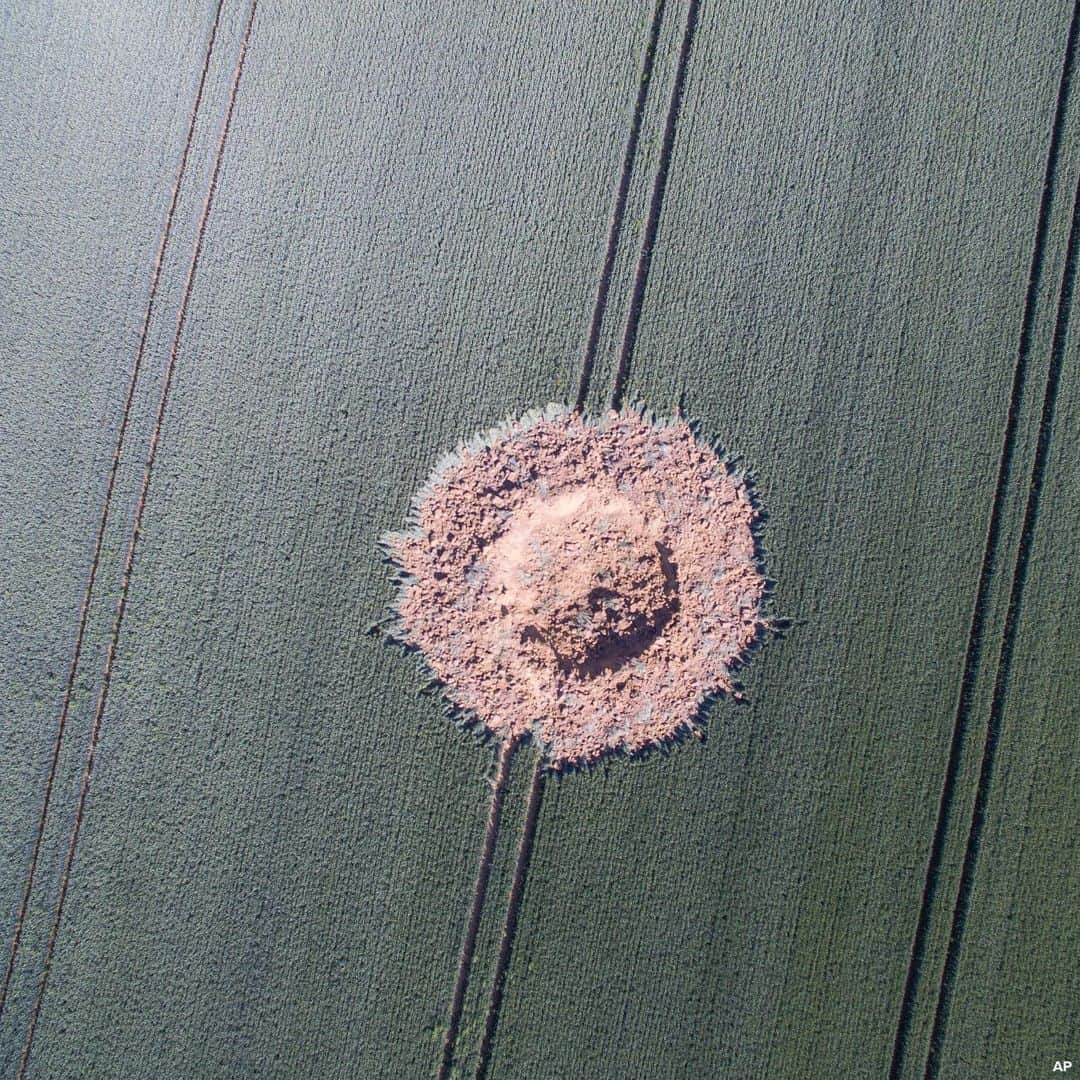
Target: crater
{"type": "Point", "coordinates": [585, 583]}
{"type": "Point", "coordinates": [585, 575]}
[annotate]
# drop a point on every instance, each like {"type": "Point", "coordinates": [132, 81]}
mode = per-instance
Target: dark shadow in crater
{"type": "Point", "coordinates": [616, 652]}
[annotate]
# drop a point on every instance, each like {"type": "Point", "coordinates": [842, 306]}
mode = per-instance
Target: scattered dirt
{"type": "Point", "coordinates": [587, 582]}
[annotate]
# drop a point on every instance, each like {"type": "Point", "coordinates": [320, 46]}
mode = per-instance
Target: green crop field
{"type": "Point", "coordinates": [261, 264]}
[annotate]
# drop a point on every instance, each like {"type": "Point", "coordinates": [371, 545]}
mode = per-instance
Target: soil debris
{"type": "Point", "coordinates": [588, 582]}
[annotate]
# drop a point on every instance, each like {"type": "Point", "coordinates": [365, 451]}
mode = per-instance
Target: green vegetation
{"type": "Point", "coordinates": [274, 868]}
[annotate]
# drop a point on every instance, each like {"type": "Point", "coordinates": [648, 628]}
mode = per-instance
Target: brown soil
{"type": "Point", "coordinates": [589, 583]}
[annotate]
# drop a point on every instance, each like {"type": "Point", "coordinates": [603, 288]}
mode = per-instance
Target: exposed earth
{"type": "Point", "coordinates": [589, 582]}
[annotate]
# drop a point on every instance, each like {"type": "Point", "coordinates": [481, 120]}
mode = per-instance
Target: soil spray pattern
{"type": "Point", "coordinates": [588, 583]}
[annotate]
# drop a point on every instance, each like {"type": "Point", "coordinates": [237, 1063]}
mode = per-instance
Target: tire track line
{"type": "Point", "coordinates": [977, 628]}
{"type": "Point", "coordinates": [656, 206]}
{"type": "Point", "coordinates": [513, 908]}
{"type": "Point", "coordinates": [483, 875]}
{"type": "Point", "coordinates": [99, 540]}
{"type": "Point", "coordinates": [121, 604]}
{"type": "Point", "coordinates": [641, 276]}
{"type": "Point", "coordinates": [503, 768]}
{"type": "Point", "coordinates": [1008, 645]}
{"type": "Point", "coordinates": [619, 212]}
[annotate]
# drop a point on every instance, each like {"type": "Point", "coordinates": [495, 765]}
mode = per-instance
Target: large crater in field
{"type": "Point", "coordinates": [587, 582]}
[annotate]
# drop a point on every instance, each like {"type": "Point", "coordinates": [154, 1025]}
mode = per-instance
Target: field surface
{"type": "Point", "coordinates": [262, 263]}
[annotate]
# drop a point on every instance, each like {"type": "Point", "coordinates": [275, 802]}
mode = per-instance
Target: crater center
{"type": "Point", "coordinates": [584, 573]}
